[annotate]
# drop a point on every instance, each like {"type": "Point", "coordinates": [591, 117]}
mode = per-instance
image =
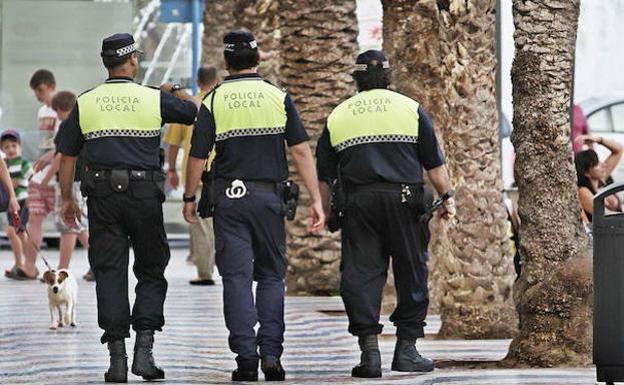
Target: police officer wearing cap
{"type": "Point", "coordinates": [375, 145]}
{"type": "Point", "coordinates": [119, 123]}
{"type": "Point", "coordinates": [249, 121]}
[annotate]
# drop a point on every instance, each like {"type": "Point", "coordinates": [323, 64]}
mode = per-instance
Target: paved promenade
{"type": "Point", "coordinates": [193, 347]}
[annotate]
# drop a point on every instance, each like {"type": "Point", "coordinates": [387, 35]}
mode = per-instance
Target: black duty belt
{"type": "Point", "coordinates": [381, 187]}
{"type": "Point", "coordinates": [254, 185]}
{"type": "Point", "coordinates": [149, 175]}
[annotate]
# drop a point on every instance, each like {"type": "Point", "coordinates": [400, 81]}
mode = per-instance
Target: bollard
{"type": "Point", "coordinates": [608, 232]}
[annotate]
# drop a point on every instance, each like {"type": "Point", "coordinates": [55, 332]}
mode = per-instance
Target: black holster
{"type": "Point", "coordinates": [338, 204]}
{"type": "Point", "coordinates": [290, 198]}
{"type": "Point", "coordinates": [206, 205]}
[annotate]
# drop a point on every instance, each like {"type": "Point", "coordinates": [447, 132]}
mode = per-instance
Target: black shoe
{"type": "Point", "coordinates": [118, 369]}
{"type": "Point", "coordinates": [202, 282]}
{"type": "Point", "coordinates": [242, 374]}
{"type": "Point", "coordinates": [407, 359]}
{"type": "Point", "coordinates": [143, 363]}
{"type": "Point", "coordinates": [272, 369]}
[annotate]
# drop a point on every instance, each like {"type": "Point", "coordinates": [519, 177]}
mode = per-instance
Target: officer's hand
{"type": "Point", "coordinates": [449, 209]}
{"type": "Point", "coordinates": [190, 212]}
{"type": "Point", "coordinates": [173, 179]}
{"type": "Point", "coordinates": [166, 87]}
{"type": "Point", "coordinates": [316, 222]}
{"type": "Point", "coordinates": [70, 213]}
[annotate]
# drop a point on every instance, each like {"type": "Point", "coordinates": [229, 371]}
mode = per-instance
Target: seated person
{"type": "Point", "coordinates": [593, 174]}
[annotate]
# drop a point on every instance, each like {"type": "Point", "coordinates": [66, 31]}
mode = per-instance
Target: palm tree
{"type": "Point", "coordinates": [444, 57]}
{"type": "Point", "coordinates": [262, 18]}
{"type": "Point", "coordinates": [318, 49]}
{"type": "Point", "coordinates": [553, 294]}
{"type": "Point", "coordinates": [218, 20]}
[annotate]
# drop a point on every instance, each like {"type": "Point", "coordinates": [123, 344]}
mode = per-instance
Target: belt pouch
{"type": "Point", "coordinates": [119, 180]}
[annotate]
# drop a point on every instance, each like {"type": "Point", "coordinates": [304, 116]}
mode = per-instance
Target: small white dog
{"type": "Point", "coordinates": [62, 296]}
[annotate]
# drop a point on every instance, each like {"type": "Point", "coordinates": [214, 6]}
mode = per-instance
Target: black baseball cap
{"type": "Point", "coordinates": [239, 39]}
{"type": "Point", "coordinates": [118, 45]}
{"type": "Point", "coordinates": [10, 134]}
{"type": "Point", "coordinates": [371, 59]}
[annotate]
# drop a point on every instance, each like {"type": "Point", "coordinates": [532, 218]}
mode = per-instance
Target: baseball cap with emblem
{"type": "Point", "coordinates": [239, 40]}
{"type": "Point", "coordinates": [10, 134]}
{"type": "Point", "coordinates": [371, 59]}
{"type": "Point", "coordinates": [118, 45]}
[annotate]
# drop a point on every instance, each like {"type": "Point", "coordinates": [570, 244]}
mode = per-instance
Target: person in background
{"type": "Point", "coordinates": [62, 103]}
{"type": "Point", "coordinates": [41, 187]}
{"type": "Point", "coordinates": [579, 127]}
{"type": "Point", "coordinates": [593, 174]}
{"type": "Point", "coordinates": [20, 170]}
{"type": "Point", "coordinates": [201, 233]}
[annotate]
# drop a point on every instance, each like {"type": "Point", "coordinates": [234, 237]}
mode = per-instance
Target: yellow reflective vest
{"type": "Point", "coordinates": [117, 109]}
{"type": "Point", "coordinates": [373, 116]}
{"type": "Point", "coordinates": [247, 107]}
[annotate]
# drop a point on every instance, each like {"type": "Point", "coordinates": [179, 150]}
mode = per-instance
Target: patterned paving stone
{"type": "Point", "coordinates": [193, 346]}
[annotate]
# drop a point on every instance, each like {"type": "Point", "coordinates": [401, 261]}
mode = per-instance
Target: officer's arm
{"type": "Point", "coordinates": [327, 166]}
{"type": "Point", "coordinates": [69, 141]}
{"type": "Point", "coordinates": [430, 155]}
{"type": "Point", "coordinates": [302, 155]}
{"type": "Point", "coordinates": [202, 142]}
{"type": "Point", "coordinates": [177, 109]}
{"type": "Point", "coordinates": [439, 179]}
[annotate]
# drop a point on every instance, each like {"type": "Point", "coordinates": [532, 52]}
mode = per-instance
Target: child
{"type": "Point", "coordinates": [20, 171]}
{"type": "Point", "coordinates": [41, 197]}
{"type": "Point", "coordinates": [62, 103]}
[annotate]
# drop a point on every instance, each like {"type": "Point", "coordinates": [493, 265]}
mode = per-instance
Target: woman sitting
{"type": "Point", "coordinates": [593, 174]}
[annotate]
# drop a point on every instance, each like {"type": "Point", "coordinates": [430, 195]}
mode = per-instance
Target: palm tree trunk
{"type": "Point", "coordinates": [444, 57]}
{"type": "Point", "coordinates": [553, 294]}
{"type": "Point", "coordinates": [319, 45]}
{"type": "Point", "coordinates": [218, 20]}
{"type": "Point", "coordinates": [262, 18]}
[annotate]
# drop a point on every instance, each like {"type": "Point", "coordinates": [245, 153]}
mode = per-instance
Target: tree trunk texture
{"type": "Point", "coordinates": [553, 294]}
{"type": "Point", "coordinates": [218, 20]}
{"type": "Point", "coordinates": [319, 46]}
{"type": "Point", "coordinates": [262, 18]}
{"type": "Point", "coordinates": [444, 56]}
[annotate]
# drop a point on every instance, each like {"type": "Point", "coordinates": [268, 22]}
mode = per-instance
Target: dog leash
{"type": "Point", "coordinates": [20, 227]}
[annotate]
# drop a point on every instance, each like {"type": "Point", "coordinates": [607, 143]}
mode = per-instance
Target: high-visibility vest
{"type": "Point", "coordinates": [247, 107]}
{"type": "Point", "coordinates": [120, 109]}
{"type": "Point", "coordinates": [373, 116]}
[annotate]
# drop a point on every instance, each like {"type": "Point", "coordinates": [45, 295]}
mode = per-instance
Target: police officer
{"type": "Point", "coordinates": [249, 120]}
{"type": "Point", "coordinates": [119, 122]}
{"type": "Point", "coordinates": [376, 144]}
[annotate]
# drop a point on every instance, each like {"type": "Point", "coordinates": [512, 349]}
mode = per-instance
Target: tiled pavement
{"type": "Point", "coordinates": [193, 347]}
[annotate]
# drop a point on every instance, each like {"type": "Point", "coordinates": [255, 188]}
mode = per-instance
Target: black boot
{"type": "Point", "coordinates": [245, 374]}
{"type": "Point", "coordinates": [143, 363]}
{"type": "Point", "coordinates": [118, 370]}
{"type": "Point", "coordinates": [370, 360]}
{"type": "Point", "coordinates": [407, 359]}
{"type": "Point", "coordinates": [272, 369]}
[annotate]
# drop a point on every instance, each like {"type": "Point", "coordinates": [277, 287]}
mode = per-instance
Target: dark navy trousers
{"type": "Point", "coordinates": [378, 226]}
{"type": "Point", "coordinates": [115, 221]}
{"type": "Point", "coordinates": [250, 243]}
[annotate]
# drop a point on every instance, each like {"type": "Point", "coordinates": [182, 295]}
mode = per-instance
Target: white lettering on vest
{"type": "Point", "coordinates": [364, 106]}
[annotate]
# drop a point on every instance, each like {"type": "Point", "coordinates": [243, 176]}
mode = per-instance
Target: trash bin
{"type": "Point", "coordinates": [608, 232]}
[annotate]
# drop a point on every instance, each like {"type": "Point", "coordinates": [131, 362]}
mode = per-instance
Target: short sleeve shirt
{"type": "Point", "coordinates": [390, 162]}
{"type": "Point", "coordinates": [123, 152]}
{"type": "Point", "coordinates": [254, 158]}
